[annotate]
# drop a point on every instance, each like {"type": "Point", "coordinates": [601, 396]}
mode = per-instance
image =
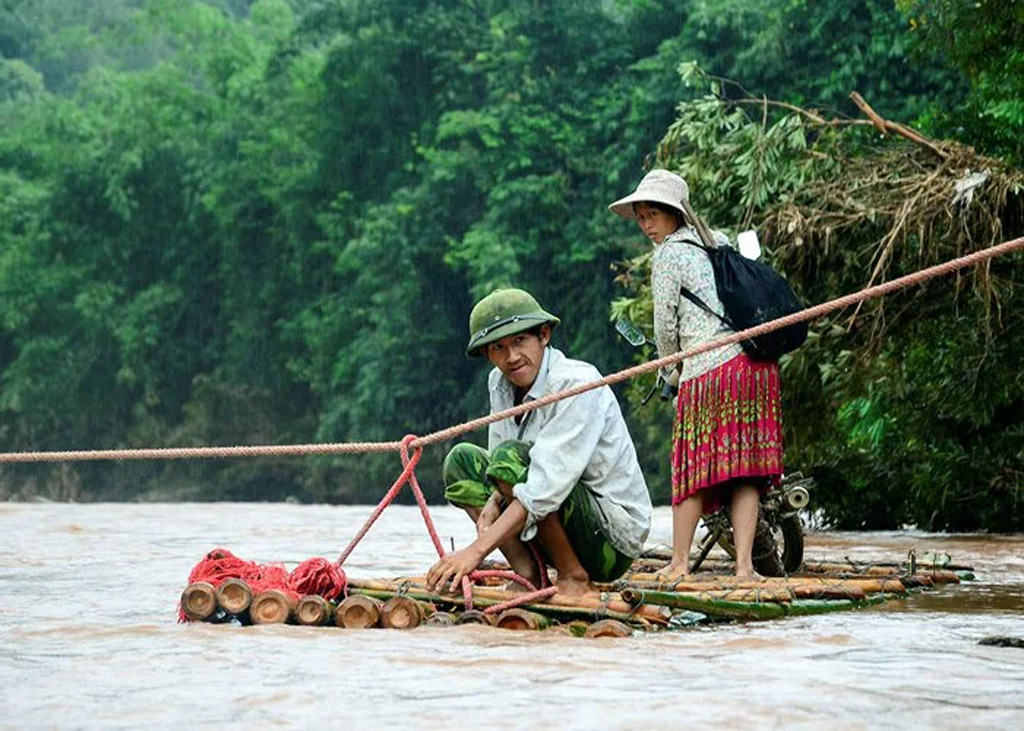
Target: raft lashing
{"type": "Point", "coordinates": [225, 589]}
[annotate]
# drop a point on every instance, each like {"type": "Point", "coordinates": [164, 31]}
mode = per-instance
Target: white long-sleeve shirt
{"type": "Point", "coordinates": [580, 439]}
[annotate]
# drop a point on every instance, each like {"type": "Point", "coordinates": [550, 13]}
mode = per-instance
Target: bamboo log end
{"type": "Point", "coordinates": [521, 619]}
{"type": "Point", "coordinates": [578, 627]}
{"type": "Point", "coordinates": [401, 612]}
{"type": "Point", "coordinates": [199, 600]}
{"type": "Point", "coordinates": [475, 616]}
{"type": "Point", "coordinates": [441, 619]}
{"type": "Point", "coordinates": [608, 628]}
{"type": "Point", "coordinates": [312, 610]}
{"type": "Point", "coordinates": [359, 612]}
{"type": "Point", "coordinates": [893, 586]}
{"type": "Point", "coordinates": [234, 596]}
{"type": "Point", "coordinates": [271, 607]}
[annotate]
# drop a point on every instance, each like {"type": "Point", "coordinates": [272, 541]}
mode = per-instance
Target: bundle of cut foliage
{"type": "Point", "coordinates": [910, 409]}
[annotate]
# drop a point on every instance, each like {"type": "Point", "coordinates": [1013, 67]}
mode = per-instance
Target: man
{"type": "Point", "coordinates": [565, 474]}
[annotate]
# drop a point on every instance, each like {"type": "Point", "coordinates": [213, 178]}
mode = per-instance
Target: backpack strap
{"type": "Point", "coordinates": [703, 305]}
{"type": "Point", "coordinates": [697, 300]}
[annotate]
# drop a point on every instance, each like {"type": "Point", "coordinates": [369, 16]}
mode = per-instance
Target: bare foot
{"type": "Point", "coordinates": [575, 587]}
{"type": "Point", "coordinates": [749, 575]}
{"type": "Point", "coordinates": [674, 571]}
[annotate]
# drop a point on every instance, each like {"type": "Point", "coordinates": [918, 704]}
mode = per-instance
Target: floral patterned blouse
{"type": "Point", "coordinates": [678, 323]}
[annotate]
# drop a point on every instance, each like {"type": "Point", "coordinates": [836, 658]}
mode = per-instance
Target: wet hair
{"type": "Point", "coordinates": [536, 330]}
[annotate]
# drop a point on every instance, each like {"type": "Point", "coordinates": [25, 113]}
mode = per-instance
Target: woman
{"type": "Point", "coordinates": [727, 438]}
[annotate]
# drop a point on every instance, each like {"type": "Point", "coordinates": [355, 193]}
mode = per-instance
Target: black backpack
{"type": "Point", "coordinates": [752, 293]}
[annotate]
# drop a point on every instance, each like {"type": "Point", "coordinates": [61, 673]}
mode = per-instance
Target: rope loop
{"type": "Point", "coordinates": [407, 440]}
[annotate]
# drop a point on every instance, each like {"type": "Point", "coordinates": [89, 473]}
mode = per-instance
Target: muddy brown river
{"type": "Point", "coordinates": [89, 639]}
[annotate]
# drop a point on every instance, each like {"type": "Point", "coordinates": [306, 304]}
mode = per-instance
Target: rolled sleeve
{"type": "Point", "coordinates": [560, 454]}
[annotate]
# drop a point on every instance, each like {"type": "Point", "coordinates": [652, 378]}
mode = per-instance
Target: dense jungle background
{"type": "Point", "coordinates": [235, 222]}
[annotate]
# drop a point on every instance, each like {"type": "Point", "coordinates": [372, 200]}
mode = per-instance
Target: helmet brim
{"type": "Point", "coordinates": [509, 326]}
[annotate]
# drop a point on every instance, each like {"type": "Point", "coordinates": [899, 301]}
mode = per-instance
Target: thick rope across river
{"type": "Point", "coordinates": [276, 593]}
{"type": "Point", "coordinates": [806, 315]}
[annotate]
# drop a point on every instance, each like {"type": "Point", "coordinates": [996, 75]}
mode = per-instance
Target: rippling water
{"type": "Point", "coordinates": [88, 638]}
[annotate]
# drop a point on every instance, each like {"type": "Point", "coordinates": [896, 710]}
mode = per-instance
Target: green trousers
{"type": "Point", "coordinates": [470, 475]}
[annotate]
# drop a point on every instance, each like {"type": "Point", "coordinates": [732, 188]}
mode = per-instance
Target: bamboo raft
{"type": "Point", "coordinates": [640, 601]}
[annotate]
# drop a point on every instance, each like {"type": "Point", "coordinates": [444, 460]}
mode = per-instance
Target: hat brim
{"type": "Point", "coordinates": [624, 206]}
{"type": "Point", "coordinates": [526, 322]}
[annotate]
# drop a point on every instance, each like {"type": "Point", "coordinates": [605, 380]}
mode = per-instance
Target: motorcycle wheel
{"type": "Point", "coordinates": [792, 531]}
{"type": "Point", "coordinates": [779, 550]}
{"type": "Point", "coordinates": [767, 553]}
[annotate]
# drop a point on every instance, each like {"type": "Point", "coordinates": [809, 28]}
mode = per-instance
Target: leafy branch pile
{"type": "Point", "coordinates": [907, 410]}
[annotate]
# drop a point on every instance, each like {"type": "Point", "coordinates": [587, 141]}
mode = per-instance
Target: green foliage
{"type": "Point", "coordinates": [812, 53]}
{"type": "Point", "coordinates": [985, 40]}
{"type": "Point", "coordinates": [908, 410]}
{"type": "Point", "coordinates": [250, 222]}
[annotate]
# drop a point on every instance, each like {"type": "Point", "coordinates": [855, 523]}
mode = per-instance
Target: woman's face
{"type": "Point", "coordinates": [654, 222]}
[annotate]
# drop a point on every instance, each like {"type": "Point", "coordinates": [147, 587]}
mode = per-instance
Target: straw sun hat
{"type": "Point", "coordinates": [658, 186]}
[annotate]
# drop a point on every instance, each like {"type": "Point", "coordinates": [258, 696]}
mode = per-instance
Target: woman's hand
{"type": "Point", "coordinates": [450, 569]}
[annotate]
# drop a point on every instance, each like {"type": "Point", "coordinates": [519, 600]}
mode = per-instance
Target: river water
{"type": "Point", "coordinates": [88, 638]}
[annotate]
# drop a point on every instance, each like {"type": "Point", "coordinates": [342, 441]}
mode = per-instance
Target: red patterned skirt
{"type": "Point", "coordinates": [728, 429]}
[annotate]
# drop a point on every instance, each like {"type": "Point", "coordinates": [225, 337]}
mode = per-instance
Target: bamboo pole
{"type": "Point", "coordinates": [401, 612]}
{"type": "Point", "coordinates": [917, 580]}
{"type": "Point", "coordinates": [940, 576]}
{"type": "Point", "coordinates": [825, 591]}
{"type": "Point", "coordinates": [660, 615]}
{"type": "Point", "coordinates": [272, 606]}
{"type": "Point", "coordinates": [824, 567]}
{"type": "Point", "coordinates": [724, 583]}
{"type": "Point", "coordinates": [595, 605]}
{"type": "Point", "coordinates": [313, 611]}
{"type": "Point", "coordinates": [805, 607]}
{"type": "Point", "coordinates": [716, 608]}
{"type": "Point", "coordinates": [812, 589]}
{"type": "Point", "coordinates": [751, 594]}
{"type": "Point", "coordinates": [608, 628]}
{"type": "Point", "coordinates": [359, 612]}
{"type": "Point", "coordinates": [199, 601]}
{"type": "Point", "coordinates": [234, 596]}
{"type": "Point", "coordinates": [521, 619]}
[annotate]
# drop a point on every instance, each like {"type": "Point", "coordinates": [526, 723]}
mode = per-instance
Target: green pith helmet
{"type": "Point", "coordinates": [502, 313]}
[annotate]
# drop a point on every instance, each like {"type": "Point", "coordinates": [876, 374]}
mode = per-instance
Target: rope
{"type": "Point", "coordinates": [509, 575]}
{"type": "Point", "coordinates": [202, 452]}
{"type": "Point", "coordinates": [810, 313]}
{"type": "Point", "coordinates": [410, 465]}
{"type": "Point", "coordinates": [420, 500]}
{"type": "Point", "coordinates": [408, 473]}
{"type": "Point", "coordinates": [452, 432]}
{"type": "Point", "coordinates": [537, 596]}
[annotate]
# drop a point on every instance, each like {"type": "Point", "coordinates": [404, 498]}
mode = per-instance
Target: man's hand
{"type": "Point", "coordinates": [489, 513]}
{"type": "Point", "coordinates": [450, 569]}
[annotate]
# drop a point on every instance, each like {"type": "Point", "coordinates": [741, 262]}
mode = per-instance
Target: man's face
{"type": "Point", "coordinates": [519, 356]}
{"type": "Point", "coordinates": [654, 222]}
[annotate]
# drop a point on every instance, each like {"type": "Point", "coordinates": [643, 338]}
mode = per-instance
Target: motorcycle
{"type": "Point", "coordinates": [779, 537]}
